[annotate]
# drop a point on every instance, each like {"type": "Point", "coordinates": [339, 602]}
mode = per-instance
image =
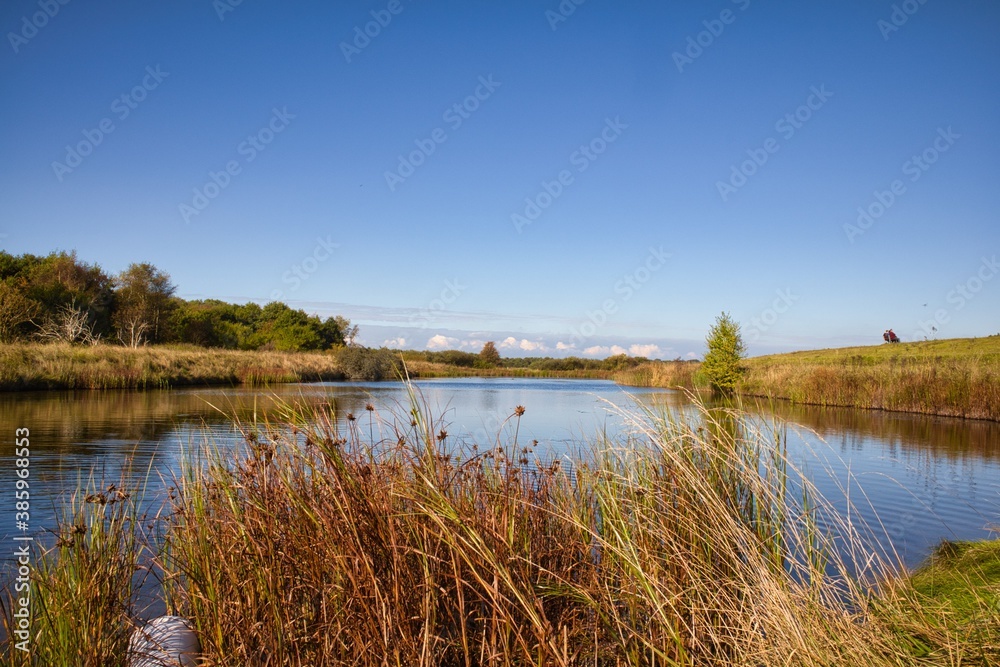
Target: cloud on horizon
{"type": "Point", "coordinates": [515, 344]}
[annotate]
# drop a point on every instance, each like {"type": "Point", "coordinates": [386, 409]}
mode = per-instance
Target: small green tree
{"type": "Point", "coordinates": [489, 357]}
{"type": "Point", "coordinates": [142, 304]}
{"type": "Point", "coordinates": [723, 366]}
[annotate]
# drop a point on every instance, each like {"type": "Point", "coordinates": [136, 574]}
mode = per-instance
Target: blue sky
{"type": "Point", "coordinates": [561, 178]}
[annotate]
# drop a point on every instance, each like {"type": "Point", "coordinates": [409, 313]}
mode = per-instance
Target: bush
{"type": "Point", "coordinates": [364, 363]}
{"type": "Point", "coordinates": [453, 358]}
{"type": "Point", "coordinates": [489, 357]}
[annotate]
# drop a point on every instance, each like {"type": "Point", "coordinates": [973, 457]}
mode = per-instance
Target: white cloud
{"type": "Point", "coordinates": [442, 342]}
{"type": "Point", "coordinates": [509, 341]}
{"type": "Point", "coordinates": [618, 349]}
{"type": "Point", "coordinates": [396, 343]}
{"type": "Point", "coordinates": [648, 350]}
{"type": "Point", "coordinates": [531, 346]}
{"type": "Point", "coordinates": [563, 346]}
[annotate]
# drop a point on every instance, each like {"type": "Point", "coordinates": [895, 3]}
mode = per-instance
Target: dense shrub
{"type": "Point", "coordinates": [365, 363]}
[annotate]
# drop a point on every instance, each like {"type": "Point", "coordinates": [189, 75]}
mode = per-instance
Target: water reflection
{"type": "Point", "coordinates": [899, 433]}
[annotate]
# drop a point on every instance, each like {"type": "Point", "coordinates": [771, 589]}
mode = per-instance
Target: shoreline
{"type": "Point", "coordinates": [947, 378]}
{"type": "Point", "coordinates": [959, 378]}
{"type": "Point", "coordinates": [55, 367]}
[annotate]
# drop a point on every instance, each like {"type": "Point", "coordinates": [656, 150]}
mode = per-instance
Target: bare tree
{"type": "Point", "coordinates": [133, 328]}
{"type": "Point", "coordinates": [69, 324]}
{"type": "Point", "coordinates": [350, 331]}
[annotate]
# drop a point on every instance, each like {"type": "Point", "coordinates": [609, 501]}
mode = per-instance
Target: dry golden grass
{"type": "Point", "coordinates": [670, 374]}
{"type": "Point", "coordinates": [959, 377]}
{"type": "Point", "coordinates": [62, 366]}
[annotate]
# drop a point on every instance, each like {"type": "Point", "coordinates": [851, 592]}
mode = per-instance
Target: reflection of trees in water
{"type": "Point", "coordinates": [899, 433]}
{"type": "Point", "coordinates": [80, 422]}
{"type": "Point", "coordinates": [855, 430]}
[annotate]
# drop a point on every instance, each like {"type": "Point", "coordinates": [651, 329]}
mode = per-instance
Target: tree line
{"type": "Point", "coordinates": [490, 357]}
{"type": "Point", "coordinates": [59, 298]}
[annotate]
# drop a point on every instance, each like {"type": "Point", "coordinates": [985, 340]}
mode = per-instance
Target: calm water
{"type": "Point", "coordinates": [926, 477]}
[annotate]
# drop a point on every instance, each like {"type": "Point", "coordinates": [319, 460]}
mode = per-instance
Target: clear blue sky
{"type": "Point", "coordinates": [647, 238]}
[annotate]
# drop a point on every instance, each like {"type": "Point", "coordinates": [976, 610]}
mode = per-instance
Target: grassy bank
{"type": "Point", "coordinates": [380, 542]}
{"type": "Point", "coordinates": [957, 377]}
{"type": "Point", "coordinates": [961, 581]}
{"type": "Point", "coordinates": [672, 374]}
{"type": "Point", "coordinates": [952, 599]}
{"type": "Point", "coordinates": [26, 366]}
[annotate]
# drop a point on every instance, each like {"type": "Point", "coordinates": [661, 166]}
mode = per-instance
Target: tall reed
{"type": "Point", "coordinates": [952, 387]}
{"type": "Point", "coordinates": [84, 588]}
{"type": "Point", "coordinates": [324, 544]}
{"type": "Point", "coordinates": [672, 374]}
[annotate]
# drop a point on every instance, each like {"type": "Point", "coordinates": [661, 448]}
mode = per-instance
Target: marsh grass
{"type": "Point", "coordinates": [84, 588]}
{"type": "Point", "coordinates": [26, 366]}
{"type": "Point", "coordinates": [670, 374]}
{"type": "Point", "coordinates": [384, 543]}
{"type": "Point", "coordinates": [956, 377]}
{"type": "Point", "coordinates": [378, 539]}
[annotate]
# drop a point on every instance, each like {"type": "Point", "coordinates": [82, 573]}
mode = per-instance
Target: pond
{"type": "Point", "coordinates": [925, 478]}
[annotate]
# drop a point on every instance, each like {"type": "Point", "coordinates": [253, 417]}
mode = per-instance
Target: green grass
{"type": "Point", "coordinates": [964, 578]}
{"type": "Point", "coordinates": [948, 610]}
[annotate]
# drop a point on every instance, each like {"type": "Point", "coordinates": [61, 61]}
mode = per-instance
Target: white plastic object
{"type": "Point", "coordinates": [166, 641]}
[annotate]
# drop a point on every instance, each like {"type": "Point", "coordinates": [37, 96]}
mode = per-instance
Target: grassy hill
{"type": "Point", "coordinates": [985, 350]}
{"type": "Point", "coordinates": [956, 377]}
